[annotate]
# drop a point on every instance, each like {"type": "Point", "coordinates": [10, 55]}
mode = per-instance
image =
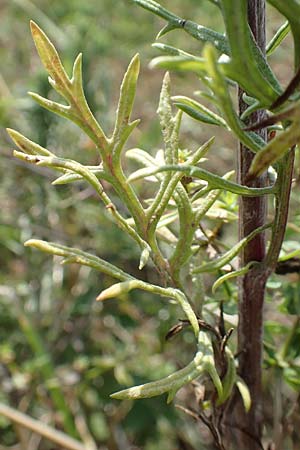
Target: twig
{"type": "Point", "coordinates": [207, 421]}
{"type": "Point", "coordinates": [58, 437]}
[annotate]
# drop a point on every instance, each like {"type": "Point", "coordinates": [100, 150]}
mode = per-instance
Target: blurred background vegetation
{"type": "Point", "coordinates": [49, 310]}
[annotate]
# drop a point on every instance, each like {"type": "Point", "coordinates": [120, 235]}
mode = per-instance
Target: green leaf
{"type": "Point", "coordinates": [74, 166]}
{"type": "Point", "coordinates": [144, 172]}
{"type": "Point", "coordinates": [283, 141]}
{"type": "Point", "coordinates": [247, 66]}
{"type": "Point", "coordinates": [240, 38]}
{"type": "Point", "coordinates": [278, 37]}
{"type": "Point", "coordinates": [230, 275]}
{"type": "Point", "coordinates": [230, 378]}
{"type": "Point", "coordinates": [173, 51]}
{"type": "Point", "coordinates": [51, 61]}
{"type": "Point", "coordinates": [172, 383]}
{"type": "Point", "coordinates": [165, 110]}
{"type": "Point", "coordinates": [141, 156]}
{"type": "Point", "coordinates": [127, 94]}
{"type": "Point", "coordinates": [70, 177]}
{"type": "Point", "coordinates": [198, 32]}
{"type": "Point", "coordinates": [75, 255]}
{"type": "Point", "coordinates": [118, 289]}
{"type": "Point", "coordinates": [290, 255]}
{"type": "Point", "coordinates": [180, 63]}
{"type": "Point", "coordinates": [206, 204]}
{"type": "Point", "coordinates": [201, 33]}
{"type": "Point", "coordinates": [170, 127]}
{"type": "Point", "coordinates": [65, 164]}
{"type": "Point", "coordinates": [26, 145]}
{"type": "Point", "coordinates": [167, 219]}
{"type": "Point", "coordinates": [157, 9]}
{"type": "Point", "coordinates": [228, 256]}
{"type": "Point", "coordinates": [292, 377]}
{"type": "Point", "coordinates": [166, 29]}
{"type": "Point", "coordinates": [57, 108]}
{"type": "Point", "coordinates": [291, 10]}
{"type": "Point", "coordinates": [202, 362]}
{"type": "Point", "coordinates": [200, 152]}
{"type": "Point", "coordinates": [220, 87]}
{"type": "Point", "coordinates": [144, 258]}
{"type": "Point", "coordinates": [245, 393]}
{"type": "Point", "coordinates": [275, 150]}
{"type": "Point", "coordinates": [70, 89]}
{"type": "Point", "coordinates": [76, 80]}
{"type": "Point", "coordinates": [214, 181]}
{"type": "Point", "coordinates": [198, 111]}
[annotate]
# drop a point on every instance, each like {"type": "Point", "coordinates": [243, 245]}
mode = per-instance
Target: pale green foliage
{"type": "Point", "coordinates": [202, 362]}
{"type": "Point", "coordinates": [278, 37]}
{"type": "Point", "coordinates": [146, 222]}
{"type": "Point", "coordinates": [172, 200]}
{"type": "Point", "coordinates": [280, 145]}
{"type": "Point", "coordinates": [243, 64]}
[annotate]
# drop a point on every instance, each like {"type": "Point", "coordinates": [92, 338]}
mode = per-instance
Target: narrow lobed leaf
{"type": "Point", "coordinates": [228, 256]}
{"type": "Point", "coordinates": [71, 90]}
{"type": "Point", "coordinates": [233, 274]}
{"type": "Point", "coordinates": [198, 111]}
{"type": "Point", "coordinates": [57, 108]}
{"type": "Point", "coordinates": [202, 362]}
{"type": "Point", "coordinates": [157, 9]}
{"type": "Point", "coordinates": [166, 29]}
{"type": "Point", "coordinates": [219, 86]}
{"type": "Point", "coordinates": [118, 289]}
{"type": "Point", "coordinates": [248, 65]}
{"type": "Point", "coordinates": [144, 258]}
{"type": "Point", "coordinates": [172, 383]}
{"type": "Point", "coordinates": [245, 393]}
{"type": "Point", "coordinates": [229, 379]}
{"type": "Point", "coordinates": [50, 59]}
{"type": "Point", "coordinates": [127, 94]}
{"type": "Point", "coordinates": [76, 79]}
{"type": "Point", "coordinates": [164, 109]}
{"type": "Point", "coordinates": [173, 51]}
{"type": "Point", "coordinates": [26, 145]}
{"type": "Point", "coordinates": [79, 257]}
{"type": "Point", "coordinates": [278, 37]}
{"type": "Point", "coordinates": [214, 181]}
{"type": "Point", "coordinates": [71, 177]}
{"type": "Point", "coordinates": [181, 63]}
{"type": "Point", "coordinates": [275, 150]}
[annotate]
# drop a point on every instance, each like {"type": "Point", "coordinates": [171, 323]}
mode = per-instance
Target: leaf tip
{"type": "Point", "coordinates": [167, 77]}
{"type": "Point", "coordinates": [136, 62]}
{"type": "Point", "coordinates": [78, 60]}
{"type": "Point", "coordinates": [12, 133]}
{"type": "Point", "coordinates": [33, 26]}
{"type": "Point", "coordinates": [31, 243]}
{"type": "Point", "coordinates": [169, 27]}
{"type": "Point", "coordinates": [115, 396]}
{"type": "Point", "coordinates": [100, 297]}
{"type": "Point", "coordinates": [119, 396]}
{"type": "Point", "coordinates": [32, 94]}
{"type": "Point", "coordinates": [35, 30]}
{"type": "Point", "coordinates": [16, 137]}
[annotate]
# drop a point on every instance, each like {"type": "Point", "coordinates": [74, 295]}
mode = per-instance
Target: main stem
{"type": "Point", "coordinates": [252, 214]}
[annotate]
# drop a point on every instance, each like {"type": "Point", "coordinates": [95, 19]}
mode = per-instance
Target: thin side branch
{"type": "Point", "coordinates": [53, 435]}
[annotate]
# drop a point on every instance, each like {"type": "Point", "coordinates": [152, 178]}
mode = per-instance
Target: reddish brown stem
{"type": "Point", "coordinates": [252, 214]}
